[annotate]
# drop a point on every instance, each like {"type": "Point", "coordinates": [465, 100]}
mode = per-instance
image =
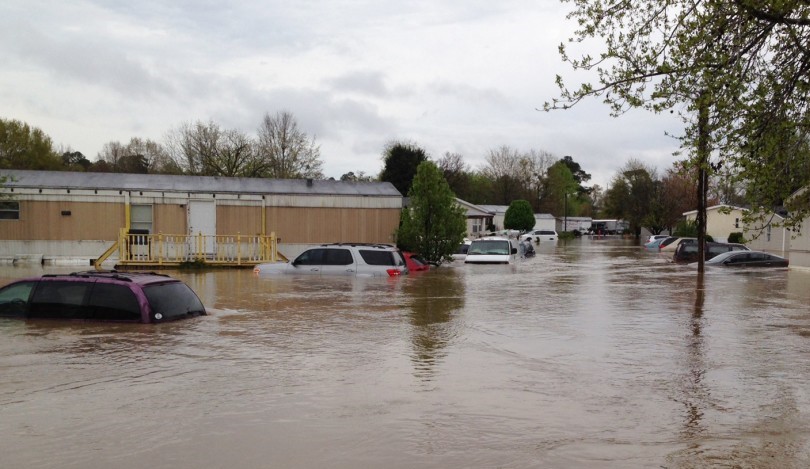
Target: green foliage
{"type": "Point", "coordinates": [434, 224]}
{"type": "Point", "coordinates": [564, 235]}
{"type": "Point", "coordinates": [688, 229]}
{"type": "Point", "coordinates": [631, 197]}
{"type": "Point", "coordinates": [519, 216]}
{"type": "Point", "coordinates": [400, 163]}
{"type": "Point", "coordinates": [26, 147]}
{"type": "Point", "coordinates": [560, 187]}
{"type": "Point", "coordinates": [736, 237]}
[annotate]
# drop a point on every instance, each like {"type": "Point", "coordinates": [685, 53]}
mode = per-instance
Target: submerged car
{"type": "Point", "coordinates": [538, 236]}
{"type": "Point", "coordinates": [747, 259]}
{"type": "Point", "coordinates": [415, 262]}
{"type": "Point", "coordinates": [670, 244]}
{"type": "Point", "coordinates": [491, 250]}
{"type": "Point", "coordinates": [461, 251]}
{"type": "Point", "coordinates": [351, 259]}
{"type": "Point", "coordinates": [653, 245]}
{"type": "Point", "coordinates": [687, 251]}
{"type": "Point", "coordinates": [144, 297]}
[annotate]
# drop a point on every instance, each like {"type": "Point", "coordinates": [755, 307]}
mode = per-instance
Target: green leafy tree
{"type": "Point", "coordinates": [735, 71]}
{"type": "Point", "coordinates": [560, 186]}
{"type": "Point", "coordinates": [26, 147]}
{"type": "Point", "coordinates": [519, 216]}
{"type": "Point", "coordinates": [400, 161]}
{"type": "Point", "coordinates": [631, 195]}
{"type": "Point", "coordinates": [434, 224]}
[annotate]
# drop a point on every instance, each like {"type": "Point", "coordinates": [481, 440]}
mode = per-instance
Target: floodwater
{"type": "Point", "coordinates": [592, 354]}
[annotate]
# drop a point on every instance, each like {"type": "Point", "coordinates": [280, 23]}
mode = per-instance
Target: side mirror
{"type": "Point", "coordinates": [514, 250]}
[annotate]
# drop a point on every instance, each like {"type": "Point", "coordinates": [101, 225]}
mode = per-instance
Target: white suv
{"type": "Point", "coordinates": [353, 259]}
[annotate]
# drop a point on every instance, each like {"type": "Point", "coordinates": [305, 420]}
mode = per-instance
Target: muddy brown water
{"type": "Point", "coordinates": [591, 354]}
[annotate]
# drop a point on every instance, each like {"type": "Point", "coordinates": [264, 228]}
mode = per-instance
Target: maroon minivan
{"type": "Point", "coordinates": [144, 297]}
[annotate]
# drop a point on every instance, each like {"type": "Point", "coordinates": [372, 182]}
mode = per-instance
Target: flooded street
{"type": "Point", "coordinates": [591, 354]}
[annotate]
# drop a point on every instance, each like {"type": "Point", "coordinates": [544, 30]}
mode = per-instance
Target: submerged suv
{"type": "Point", "coordinates": [352, 259]}
{"type": "Point", "coordinates": [144, 297]}
{"type": "Point", "coordinates": [687, 251]}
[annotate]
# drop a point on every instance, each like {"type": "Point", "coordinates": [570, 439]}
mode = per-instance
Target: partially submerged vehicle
{"type": "Point", "coordinates": [144, 297]}
{"type": "Point", "coordinates": [351, 259]}
{"type": "Point", "coordinates": [747, 259]}
{"type": "Point", "coordinates": [687, 250]}
{"type": "Point", "coordinates": [461, 251]}
{"type": "Point", "coordinates": [492, 250]}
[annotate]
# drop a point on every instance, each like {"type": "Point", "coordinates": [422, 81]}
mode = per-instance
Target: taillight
{"type": "Point", "coordinates": [393, 272]}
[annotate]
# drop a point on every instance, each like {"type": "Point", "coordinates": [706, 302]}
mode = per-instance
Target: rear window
{"type": "Point", "coordinates": [372, 257]}
{"type": "Point", "coordinates": [173, 300]}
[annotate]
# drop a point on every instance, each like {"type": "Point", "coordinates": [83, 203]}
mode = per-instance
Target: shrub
{"type": "Point", "coordinates": [736, 237]}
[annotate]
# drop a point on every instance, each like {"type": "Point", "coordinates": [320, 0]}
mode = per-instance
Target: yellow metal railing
{"type": "Point", "coordinates": [169, 249]}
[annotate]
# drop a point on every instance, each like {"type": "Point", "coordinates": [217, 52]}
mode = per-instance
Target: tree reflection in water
{"type": "Point", "coordinates": [435, 297]}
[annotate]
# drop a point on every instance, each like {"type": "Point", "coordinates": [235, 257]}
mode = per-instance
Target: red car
{"type": "Point", "coordinates": [414, 262]}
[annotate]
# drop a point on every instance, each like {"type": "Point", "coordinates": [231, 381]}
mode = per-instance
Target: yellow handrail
{"type": "Point", "coordinates": [171, 249]}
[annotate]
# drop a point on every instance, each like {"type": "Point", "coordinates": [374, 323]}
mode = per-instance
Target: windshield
{"type": "Point", "coordinates": [489, 247]}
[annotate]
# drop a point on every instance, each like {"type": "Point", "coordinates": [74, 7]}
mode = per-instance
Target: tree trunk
{"type": "Point", "coordinates": [703, 176]}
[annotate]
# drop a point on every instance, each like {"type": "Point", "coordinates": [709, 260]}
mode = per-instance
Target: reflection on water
{"type": "Point", "coordinates": [591, 354]}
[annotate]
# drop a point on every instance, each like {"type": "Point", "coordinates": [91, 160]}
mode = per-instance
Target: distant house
{"type": "Point", "coordinates": [544, 221]}
{"type": "Point", "coordinates": [478, 218]}
{"type": "Point", "coordinates": [498, 213]}
{"type": "Point", "coordinates": [55, 215]}
{"type": "Point", "coordinates": [721, 221]}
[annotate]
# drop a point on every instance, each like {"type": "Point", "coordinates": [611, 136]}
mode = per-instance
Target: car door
{"type": "Point", "coordinates": [338, 261]}
{"type": "Point", "coordinates": [308, 262]}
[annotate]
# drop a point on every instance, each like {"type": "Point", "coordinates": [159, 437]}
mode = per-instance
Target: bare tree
{"type": "Point", "coordinates": [285, 151]}
{"type": "Point", "coordinates": [209, 150]}
{"type": "Point", "coordinates": [516, 175]}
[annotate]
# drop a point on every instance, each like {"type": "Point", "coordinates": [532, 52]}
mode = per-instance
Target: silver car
{"type": "Point", "coordinates": [352, 259]}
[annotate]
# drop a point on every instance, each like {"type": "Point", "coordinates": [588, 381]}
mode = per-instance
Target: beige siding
{"type": "Point", "coordinates": [331, 225]}
{"type": "Point", "coordinates": [43, 220]}
{"type": "Point", "coordinates": [169, 219]}
{"type": "Point", "coordinates": [234, 219]}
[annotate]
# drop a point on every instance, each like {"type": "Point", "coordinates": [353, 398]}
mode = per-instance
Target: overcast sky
{"type": "Point", "coordinates": [458, 76]}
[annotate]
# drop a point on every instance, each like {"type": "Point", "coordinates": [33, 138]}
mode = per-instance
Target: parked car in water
{"type": "Point", "coordinates": [538, 236]}
{"type": "Point", "coordinates": [144, 297]}
{"type": "Point", "coordinates": [653, 245]}
{"type": "Point", "coordinates": [687, 250]}
{"type": "Point", "coordinates": [654, 237]}
{"type": "Point", "coordinates": [744, 259]}
{"type": "Point", "coordinates": [352, 259]}
{"type": "Point", "coordinates": [492, 250]}
{"type": "Point", "coordinates": [670, 244]}
{"type": "Point", "coordinates": [461, 251]}
{"type": "Point", "coordinates": [415, 262]}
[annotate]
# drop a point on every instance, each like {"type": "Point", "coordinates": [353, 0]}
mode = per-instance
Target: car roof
{"type": "Point", "coordinates": [363, 245]}
{"type": "Point", "coordinates": [140, 278]}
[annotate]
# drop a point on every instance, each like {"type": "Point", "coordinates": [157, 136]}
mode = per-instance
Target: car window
{"type": "Point", "coordinates": [311, 257]}
{"type": "Point", "coordinates": [59, 299]}
{"type": "Point", "coordinates": [337, 257]}
{"type": "Point", "coordinates": [14, 298]}
{"type": "Point", "coordinates": [113, 302]}
{"type": "Point", "coordinates": [375, 257]}
{"type": "Point", "coordinates": [172, 300]}
{"type": "Point", "coordinates": [545, 232]}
